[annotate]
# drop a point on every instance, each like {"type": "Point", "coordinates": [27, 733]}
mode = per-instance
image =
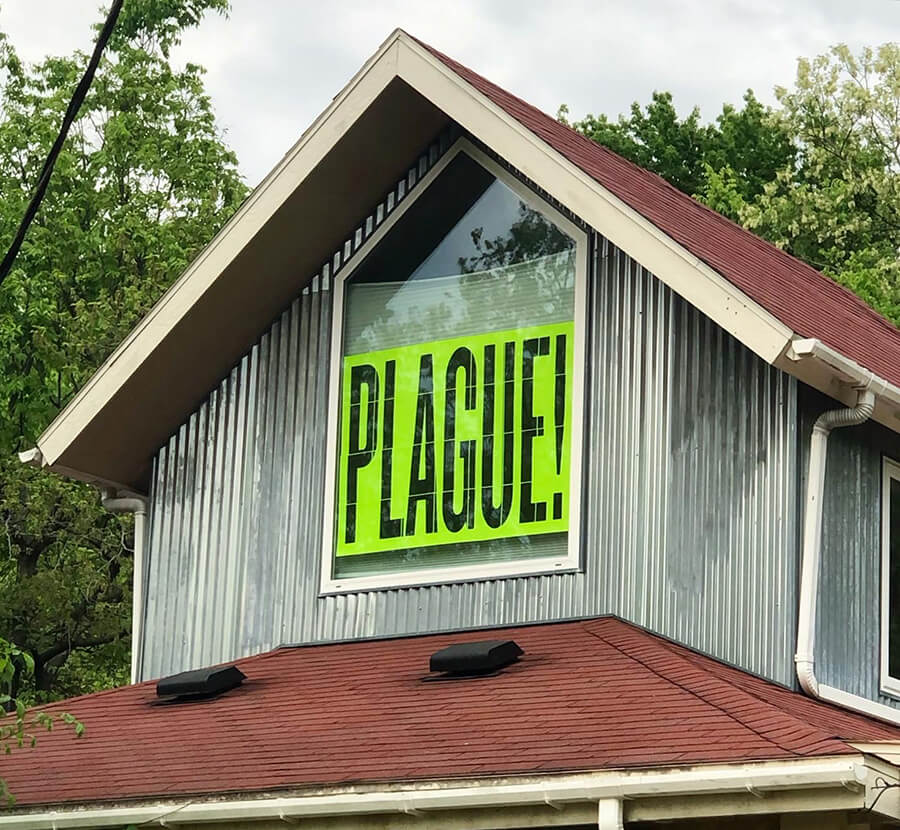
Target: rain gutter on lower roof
{"type": "Point", "coordinates": [847, 781]}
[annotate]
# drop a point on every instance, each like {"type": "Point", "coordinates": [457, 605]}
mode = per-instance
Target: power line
{"type": "Point", "coordinates": [71, 112]}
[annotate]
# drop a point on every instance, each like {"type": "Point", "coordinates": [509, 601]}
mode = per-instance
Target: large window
{"type": "Point", "coordinates": [890, 604]}
{"type": "Point", "coordinates": [456, 387]}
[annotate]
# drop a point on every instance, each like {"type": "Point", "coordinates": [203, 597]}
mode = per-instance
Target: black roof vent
{"type": "Point", "coordinates": [484, 657]}
{"type": "Point", "coordinates": [200, 683]}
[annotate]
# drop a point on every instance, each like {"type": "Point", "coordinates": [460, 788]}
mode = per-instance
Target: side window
{"type": "Point", "coordinates": [890, 644]}
{"type": "Point", "coordinates": [456, 388]}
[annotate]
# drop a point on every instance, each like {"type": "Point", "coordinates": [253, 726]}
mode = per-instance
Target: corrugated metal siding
{"type": "Point", "coordinates": [690, 505]}
{"type": "Point", "coordinates": [848, 625]}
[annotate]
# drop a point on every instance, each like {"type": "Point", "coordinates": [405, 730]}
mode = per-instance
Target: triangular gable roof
{"type": "Point", "coordinates": [405, 93]}
{"type": "Point", "coordinates": [586, 695]}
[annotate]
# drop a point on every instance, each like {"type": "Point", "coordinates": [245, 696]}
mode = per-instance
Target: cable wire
{"type": "Point", "coordinates": [71, 112]}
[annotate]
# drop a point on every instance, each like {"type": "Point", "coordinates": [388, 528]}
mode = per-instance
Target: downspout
{"type": "Point", "coordinates": [812, 530]}
{"type": "Point", "coordinates": [137, 505]}
{"type": "Point", "coordinates": [868, 386]}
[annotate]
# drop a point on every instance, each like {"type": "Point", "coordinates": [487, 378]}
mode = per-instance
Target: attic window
{"type": "Point", "coordinates": [456, 387]}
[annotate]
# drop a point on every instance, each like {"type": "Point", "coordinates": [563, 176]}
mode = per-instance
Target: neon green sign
{"type": "Point", "coordinates": [454, 441]}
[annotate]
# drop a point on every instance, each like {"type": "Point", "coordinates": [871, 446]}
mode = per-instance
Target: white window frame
{"type": "Point", "coordinates": [890, 472]}
{"type": "Point", "coordinates": [486, 570]}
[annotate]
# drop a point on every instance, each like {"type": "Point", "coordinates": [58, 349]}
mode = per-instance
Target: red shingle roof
{"type": "Point", "coordinates": [810, 303]}
{"type": "Point", "coordinates": [586, 696]}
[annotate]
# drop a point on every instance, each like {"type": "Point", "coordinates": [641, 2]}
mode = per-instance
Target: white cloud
{"type": "Point", "coordinates": [274, 65]}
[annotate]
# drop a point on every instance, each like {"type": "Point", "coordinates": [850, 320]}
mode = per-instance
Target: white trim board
{"type": "Point", "coordinates": [487, 570]}
{"type": "Point", "coordinates": [259, 207]}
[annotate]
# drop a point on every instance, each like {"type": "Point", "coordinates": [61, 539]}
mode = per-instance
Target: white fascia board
{"type": "Point", "coordinates": [627, 229]}
{"type": "Point", "coordinates": [888, 751]}
{"type": "Point", "coordinates": [849, 774]}
{"type": "Point", "coordinates": [247, 221]}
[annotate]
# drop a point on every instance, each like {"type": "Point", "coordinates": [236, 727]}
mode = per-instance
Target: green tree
{"type": "Point", "coordinates": [746, 145]}
{"type": "Point", "coordinates": [144, 180]}
{"type": "Point", "coordinates": [657, 139]}
{"type": "Point", "coordinates": [19, 727]}
{"type": "Point", "coordinates": [838, 207]}
{"type": "Point", "coordinates": [818, 175]}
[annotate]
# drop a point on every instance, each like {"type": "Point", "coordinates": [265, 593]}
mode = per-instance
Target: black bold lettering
{"type": "Point", "coordinates": [463, 359]}
{"type": "Point", "coordinates": [360, 454]}
{"type": "Point", "coordinates": [559, 407]}
{"type": "Point", "coordinates": [532, 427]}
{"type": "Point", "coordinates": [390, 528]}
{"type": "Point", "coordinates": [495, 514]}
{"type": "Point", "coordinates": [423, 488]}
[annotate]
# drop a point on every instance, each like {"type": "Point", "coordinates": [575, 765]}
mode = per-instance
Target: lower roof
{"type": "Point", "coordinates": [587, 695]}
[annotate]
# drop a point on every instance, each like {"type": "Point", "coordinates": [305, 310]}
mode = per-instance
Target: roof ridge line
{"type": "Point", "coordinates": [660, 643]}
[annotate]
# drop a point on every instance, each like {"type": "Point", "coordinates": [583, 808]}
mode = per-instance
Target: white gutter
{"type": "Point", "coordinates": [606, 789]}
{"type": "Point", "coordinates": [850, 369]}
{"type": "Point", "coordinates": [121, 503]}
{"type": "Point", "coordinates": [868, 387]}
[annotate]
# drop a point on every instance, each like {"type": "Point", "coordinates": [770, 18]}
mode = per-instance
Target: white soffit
{"type": "Point", "coordinates": [401, 56]}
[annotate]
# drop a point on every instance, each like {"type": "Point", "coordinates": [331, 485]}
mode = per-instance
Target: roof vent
{"type": "Point", "coordinates": [484, 657]}
{"type": "Point", "coordinates": [200, 683]}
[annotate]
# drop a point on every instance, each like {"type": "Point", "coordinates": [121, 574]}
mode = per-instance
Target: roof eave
{"type": "Point", "coordinates": [848, 782]}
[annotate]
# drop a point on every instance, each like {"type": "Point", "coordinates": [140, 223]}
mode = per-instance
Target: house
{"type": "Point", "coordinates": [455, 377]}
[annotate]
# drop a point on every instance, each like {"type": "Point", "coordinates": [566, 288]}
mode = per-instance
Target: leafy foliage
{"type": "Point", "coordinates": [839, 207]}
{"type": "Point", "coordinates": [745, 145]}
{"type": "Point", "coordinates": [818, 176]}
{"type": "Point", "coordinates": [18, 728]}
{"type": "Point", "coordinates": [143, 181]}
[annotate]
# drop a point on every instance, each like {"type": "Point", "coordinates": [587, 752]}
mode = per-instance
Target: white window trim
{"type": "Point", "coordinates": [890, 472]}
{"type": "Point", "coordinates": [459, 573]}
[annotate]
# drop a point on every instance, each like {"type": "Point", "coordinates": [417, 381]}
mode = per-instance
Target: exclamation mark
{"type": "Point", "coordinates": [560, 416]}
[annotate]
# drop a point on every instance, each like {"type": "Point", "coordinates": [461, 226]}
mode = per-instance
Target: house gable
{"type": "Point", "coordinates": [402, 97]}
{"type": "Point", "coordinates": [689, 452]}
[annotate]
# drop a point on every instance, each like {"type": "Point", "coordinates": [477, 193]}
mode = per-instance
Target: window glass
{"type": "Point", "coordinates": [893, 543]}
{"type": "Point", "coordinates": [456, 375]}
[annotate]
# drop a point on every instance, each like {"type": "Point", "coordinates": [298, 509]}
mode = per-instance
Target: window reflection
{"type": "Point", "coordinates": [502, 264]}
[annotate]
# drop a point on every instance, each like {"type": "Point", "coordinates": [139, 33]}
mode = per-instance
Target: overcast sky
{"type": "Point", "coordinates": [275, 64]}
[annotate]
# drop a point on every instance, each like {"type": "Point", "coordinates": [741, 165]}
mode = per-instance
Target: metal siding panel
{"type": "Point", "coordinates": [848, 625]}
{"type": "Point", "coordinates": [689, 497]}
